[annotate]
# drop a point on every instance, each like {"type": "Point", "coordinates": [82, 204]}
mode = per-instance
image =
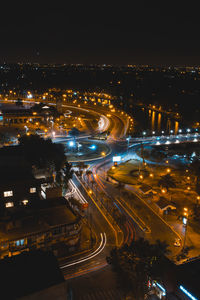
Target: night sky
{"type": "Point", "coordinates": [98, 33]}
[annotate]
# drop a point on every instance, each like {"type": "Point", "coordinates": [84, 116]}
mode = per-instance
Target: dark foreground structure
{"type": "Point", "coordinates": [32, 275]}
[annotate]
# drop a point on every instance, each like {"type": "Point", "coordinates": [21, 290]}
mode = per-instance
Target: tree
{"type": "Point", "coordinates": [19, 102]}
{"type": "Point", "coordinates": [195, 168]}
{"type": "Point", "coordinates": [136, 263]}
{"type": "Point", "coordinates": [74, 132]}
{"type": "Point", "coordinates": [42, 153]}
{"type": "Point", "coordinates": [4, 138]}
{"type": "Point", "coordinates": [167, 181]}
{"type": "Point", "coordinates": [88, 174]}
{"type": "Point", "coordinates": [81, 165]}
{"type": "Point", "coordinates": [67, 173]}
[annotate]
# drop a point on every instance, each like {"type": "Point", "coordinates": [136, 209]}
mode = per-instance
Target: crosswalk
{"type": "Point", "coordinates": [111, 294]}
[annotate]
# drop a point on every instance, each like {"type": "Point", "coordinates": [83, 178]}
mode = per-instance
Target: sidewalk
{"type": "Point", "coordinates": [192, 237]}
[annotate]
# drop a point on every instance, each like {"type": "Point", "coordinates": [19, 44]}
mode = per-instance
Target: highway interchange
{"type": "Point", "coordinates": [81, 269]}
{"type": "Point", "coordinates": [105, 195]}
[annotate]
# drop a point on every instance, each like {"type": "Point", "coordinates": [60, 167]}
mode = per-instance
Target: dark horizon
{"type": "Point", "coordinates": [122, 35]}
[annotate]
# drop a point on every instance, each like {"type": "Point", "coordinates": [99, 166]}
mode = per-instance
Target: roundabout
{"type": "Point", "coordinates": [85, 150]}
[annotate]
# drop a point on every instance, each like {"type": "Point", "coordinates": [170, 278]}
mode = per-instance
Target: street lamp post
{"type": "Point", "coordinates": [128, 140]}
{"type": "Point", "coordinates": [185, 222]}
{"type": "Point", "coordinates": [103, 154]}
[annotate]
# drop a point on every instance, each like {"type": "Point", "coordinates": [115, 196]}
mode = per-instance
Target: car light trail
{"type": "Point", "coordinates": [90, 256]}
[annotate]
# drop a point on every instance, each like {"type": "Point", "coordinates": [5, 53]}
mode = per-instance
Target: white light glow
{"type": "Point", "coordinates": [187, 293]}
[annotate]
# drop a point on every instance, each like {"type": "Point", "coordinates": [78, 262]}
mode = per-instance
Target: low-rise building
{"type": "Point", "coordinates": [163, 205]}
{"type": "Point", "coordinates": [45, 224]}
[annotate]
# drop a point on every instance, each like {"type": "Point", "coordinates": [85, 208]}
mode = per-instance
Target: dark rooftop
{"type": "Point", "coordinates": [47, 215]}
{"type": "Point", "coordinates": [163, 202]}
{"type": "Point", "coordinates": [188, 277]}
{"type": "Point", "coordinates": [15, 173]}
{"type": "Point", "coordinates": [28, 273]}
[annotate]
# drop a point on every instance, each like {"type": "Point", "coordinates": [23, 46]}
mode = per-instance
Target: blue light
{"type": "Point", "coordinates": [161, 287]}
{"type": "Point", "coordinates": [93, 147]}
{"type": "Point", "coordinates": [71, 143]}
{"type": "Point", "coordinates": [187, 293]}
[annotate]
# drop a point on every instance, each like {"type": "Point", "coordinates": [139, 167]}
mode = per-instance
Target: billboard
{"type": "Point", "coordinates": [117, 158]}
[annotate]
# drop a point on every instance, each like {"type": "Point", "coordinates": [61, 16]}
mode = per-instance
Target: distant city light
{"type": "Point", "coordinates": [144, 133]}
{"type": "Point", "coordinates": [29, 96]}
{"type": "Point", "coordinates": [71, 143]}
{"type": "Point", "coordinates": [162, 132]}
{"type": "Point", "coordinates": [180, 130]}
{"type": "Point", "coordinates": [188, 130]}
{"type": "Point", "coordinates": [171, 131]}
{"type": "Point", "coordinates": [153, 132]}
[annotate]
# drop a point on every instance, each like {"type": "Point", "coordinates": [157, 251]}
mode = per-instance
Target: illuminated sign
{"type": "Point", "coordinates": [117, 158]}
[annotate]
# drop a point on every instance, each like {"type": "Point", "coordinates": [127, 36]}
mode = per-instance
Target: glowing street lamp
{"type": "Point", "coordinates": [141, 177]}
{"type": "Point", "coordinates": [168, 170]}
{"type": "Point", "coordinates": [185, 223]}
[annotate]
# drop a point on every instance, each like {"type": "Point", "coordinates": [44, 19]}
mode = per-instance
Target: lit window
{"type": "Point", "coordinates": [25, 201]}
{"type": "Point", "coordinates": [32, 190]}
{"type": "Point", "coordinates": [9, 204]}
{"type": "Point", "coordinates": [8, 193]}
{"type": "Point", "coordinates": [19, 243]}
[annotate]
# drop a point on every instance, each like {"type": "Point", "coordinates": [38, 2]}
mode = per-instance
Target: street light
{"type": "Point", "coordinates": [128, 139]}
{"type": "Point", "coordinates": [103, 154]}
{"type": "Point", "coordinates": [168, 170]}
{"type": "Point", "coordinates": [141, 177]}
{"type": "Point", "coordinates": [185, 223]}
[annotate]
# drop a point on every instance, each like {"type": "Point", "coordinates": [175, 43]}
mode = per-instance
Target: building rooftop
{"type": "Point", "coordinates": [37, 220]}
{"type": "Point", "coordinates": [164, 203]}
{"type": "Point", "coordinates": [28, 273]}
{"type": "Point", "coordinates": [145, 188]}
